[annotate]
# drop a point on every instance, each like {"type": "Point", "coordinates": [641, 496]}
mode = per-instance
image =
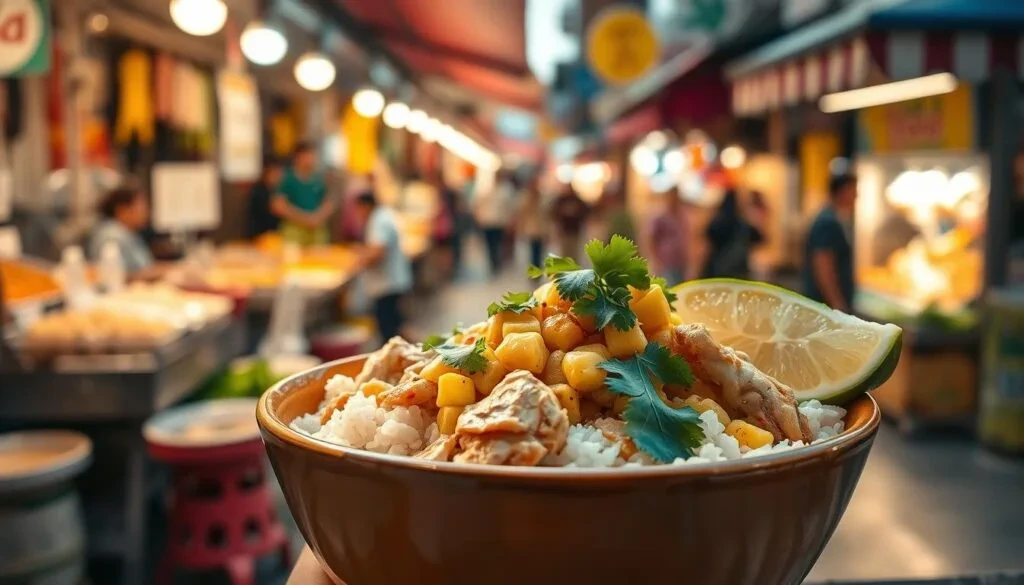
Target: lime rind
{"type": "Point", "coordinates": [878, 368]}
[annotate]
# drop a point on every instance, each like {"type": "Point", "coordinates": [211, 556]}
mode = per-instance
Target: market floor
{"type": "Point", "coordinates": [928, 507]}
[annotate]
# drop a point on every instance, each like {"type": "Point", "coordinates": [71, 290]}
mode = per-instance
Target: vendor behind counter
{"type": "Point", "coordinates": [125, 214]}
{"type": "Point", "coordinates": [302, 202]}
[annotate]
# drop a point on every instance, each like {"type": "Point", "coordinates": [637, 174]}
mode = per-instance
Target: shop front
{"type": "Point", "coordinates": [930, 110]}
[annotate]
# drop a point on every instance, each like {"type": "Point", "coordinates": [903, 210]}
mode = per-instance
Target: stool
{"type": "Point", "coordinates": [339, 342]}
{"type": "Point", "coordinates": [221, 509]}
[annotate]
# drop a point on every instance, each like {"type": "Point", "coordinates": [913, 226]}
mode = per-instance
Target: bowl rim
{"type": "Point", "coordinates": [272, 426]}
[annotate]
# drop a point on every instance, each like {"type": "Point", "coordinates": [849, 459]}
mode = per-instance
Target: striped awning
{"type": "Point", "coordinates": [869, 58]}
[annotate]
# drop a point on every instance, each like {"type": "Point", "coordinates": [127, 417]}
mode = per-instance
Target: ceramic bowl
{"type": "Point", "coordinates": [374, 519]}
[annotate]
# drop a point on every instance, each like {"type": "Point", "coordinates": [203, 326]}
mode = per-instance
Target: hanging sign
{"type": "Point", "coordinates": [186, 197]}
{"type": "Point", "coordinates": [241, 133]}
{"type": "Point", "coordinates": [621, 44]}
{"type": "Point", "coordinates": [6, 194]}
{"type": "Point", "coordinates": [24, 37]}
{"type": "Point", "coordinates": [941, 122]}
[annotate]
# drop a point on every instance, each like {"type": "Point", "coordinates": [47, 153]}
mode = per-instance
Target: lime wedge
{"type": "Point", "coordinates": [818, 352]}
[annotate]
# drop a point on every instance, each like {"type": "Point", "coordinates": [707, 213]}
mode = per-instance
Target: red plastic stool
{"type": "Point", "coordinates": [339, 342]}
{"type": "Point", "coordinates": [221, 509]}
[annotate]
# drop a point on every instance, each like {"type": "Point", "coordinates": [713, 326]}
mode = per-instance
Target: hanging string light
{"type": "Point", "coordinates": [263, 44]}
{"type": "Point", "coordinates": [368, 103]}
{"type": "Point", "coordinates": [200, 18]}
{"type": "Point", "coordinates": [314, 71]}
{"type": "Point", "coordinates": [396, 115]}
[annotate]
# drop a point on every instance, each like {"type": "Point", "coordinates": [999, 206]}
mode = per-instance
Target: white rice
{"type": "Point", "coordinates": [361, 424]}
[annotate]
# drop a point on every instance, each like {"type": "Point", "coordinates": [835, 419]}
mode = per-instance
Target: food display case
{"type": "Point", "coordinates": [919, 237]}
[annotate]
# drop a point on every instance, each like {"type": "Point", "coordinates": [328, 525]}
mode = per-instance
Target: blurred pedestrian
{"type": "Point", "coordinates": [444, 225]}
{"type": "Point", "coordinates": [730, 238]}
{"type": "Point", "coordinates": [494, 211]}
{"type": "Point", "coordinates": [828, 253]}
{"type": "Point", "coordinates": [532, 220]}
{"type": "Point", "coordinates": [617, 218]}
{"type": "Point", "coordinates": [668, 234]}
{"type": "Point", "coordinates": [302, 202]}
{"type": "Point", "coordinates": [261, 217]}
{"type": "Point", "coordinates": [389, 274]}
{"type": "Point", "coordinates": [568, 216]}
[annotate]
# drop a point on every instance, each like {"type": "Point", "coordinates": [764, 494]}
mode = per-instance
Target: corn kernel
{"type": "Point", "coordinates": [581, 371]}
{"type": "Point", "coordinates": [553, 373]}
{"type": "Point", "coordinates": [436, 368]}
{"type": "Point", "coordinates": [570, 401]}
{"type": "Point", "coordinates": [448, 419]}
{"type": "Point", "coordinates": [603, 397]}
{"type": "Point", "coordinates": [619, 406]}
{"type": "Point", "coordinates": [523, 351]}
{"type": "Point", "coordinates": [561, 332]}
{"type": "Point", "coordinates": [675, 320]}
{"type": "Point", "coordinates": [487, 379]}
{"type": "Point", "coordinates": [521, 323]}
{"type": "Point", "coordinates": [748, 435]}
{"type": "Point", "coordinates": [494, 330]}
{"type": "Point", "coordinates": [375, 387]}
{"type": "Point", "coordinates": [586, 322]}
{"type": "Point", "coordinates": [652, 309]}
{"type": "Point", "coordinates": [705, 404]}
{"type": "Point", "coordinates": [598, 348]}
{"type": "Point", "coordinates": [455, 390]}
{"type": "Point", "coordinates": [624, 344]}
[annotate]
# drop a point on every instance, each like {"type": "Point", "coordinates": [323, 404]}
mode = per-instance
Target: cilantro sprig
{"type": "Point", "coordinates": [433, 342]}
{"type": "Point", "coordinates": [669, 295]}
{"type": "Point", "coordinates": [512, 302]}
{"type": "Point", "coordinates": [470, 358]}
{"type": "Point", "coordinates": [663, 432]}
{"type": "Point", "coordinates": [601, 291]}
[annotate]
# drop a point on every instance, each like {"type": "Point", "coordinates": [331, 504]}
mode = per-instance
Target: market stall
{"type": "Point", "coordinates": [933, 101]}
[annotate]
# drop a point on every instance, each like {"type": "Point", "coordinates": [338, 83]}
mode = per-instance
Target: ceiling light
{"type": "Point", "coordinates": [368, 103]}
{"type": "Point", "coordinates": [416, 120]}
{"type": "Point", "coordinates": [887, 93]}
{"type": "Point", "coordinates": [430, 130]}
{"type": "Point", "coordinates": [200, 18]}
{"type": "Point", "coordinates": [263, 44]}
{"type": "Point", "coordinates": [644, 160]}
{"type": "Point", "coordinates": [98, 23]}
{"type": "Point", "coordinates": [733, 157]}
{"type": "Point", "coordinates": [396, 115]}
{"type": "Point", "coordinates": [314, 71]}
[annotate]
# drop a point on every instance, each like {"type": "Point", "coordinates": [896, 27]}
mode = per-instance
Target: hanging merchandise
{"type": "Point", "coordinates": [163, 83]}
{"type": "Point", "coordinates": [240, 131]}
{"type": "Point", "coordinates": [361, 136]}
{"type": "Point", "coordinates": [204, 100]}
{"type": "Point", "coordinates": [283, 137]}
{"type": "Point", "coordinates": [135, 103]}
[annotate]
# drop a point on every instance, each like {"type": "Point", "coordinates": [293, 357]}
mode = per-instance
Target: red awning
{"type": "Point", "coordinates": [480, 46]}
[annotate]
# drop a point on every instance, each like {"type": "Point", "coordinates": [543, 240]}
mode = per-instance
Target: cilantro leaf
{"type": "Point", "coordinates": [660, 281]}
{"type": "Point", "coordinates": [456, 329]}
{"type": "Point", "coordinates": [554, 264]}
{"type": "Point", "coordinates": [661, 431]}
{"type": "Point", "coordinates": [464, 357]}
{"type": "Point", "coordinates": [572, 285]}
{"type": "Point", "coordinates": [513, 302]}
{"type": "Point", "coordinates": [433, 342]}
{"type": "Point", "coordinates": [618, 262]}
{"type": "Point", "coordinates": [534, 271]}
{"type": "Point", "coordinates": [608, 309]}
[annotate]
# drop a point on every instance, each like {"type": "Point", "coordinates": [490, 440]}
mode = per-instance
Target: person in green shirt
{"type": "Point", "coordinates": [301, 200]}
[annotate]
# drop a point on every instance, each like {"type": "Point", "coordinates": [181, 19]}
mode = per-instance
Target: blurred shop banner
{"type": "Point", "coordinates": [186, 197]}
{"type": "Point", "coordinates": [941, 122]}
{"type": "Point", "coordinates": [241, 131]}
{"type": "Point", "coordinates": [6, 194]}
{"type": "Point", "coordinates": [24, 37]}
{"type": "Point", "coordinates": [621, 45]}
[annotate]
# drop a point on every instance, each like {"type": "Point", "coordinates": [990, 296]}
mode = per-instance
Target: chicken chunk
{"type": "Point", "coordinates": [614, 430]}
{"type": "Point", "coordinates": [767, 402]}
{"type": "Point", "coordinates": [414, 391]}
{"type": "Point", "coordinates": [501, 449]}
{"type": "Point", "coordinates": [390, 361]}
{"type": "Point", "coordinates": [519, 419]}
{"type": "Point", "coordinates": [442, 449]}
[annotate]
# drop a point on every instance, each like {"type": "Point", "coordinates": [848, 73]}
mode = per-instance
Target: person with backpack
{"type": "Point", "coordinates": [730, 238]}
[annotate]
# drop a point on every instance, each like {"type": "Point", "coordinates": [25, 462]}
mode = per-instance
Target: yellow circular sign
{"type": "Point", "coordinates": [621, 44]}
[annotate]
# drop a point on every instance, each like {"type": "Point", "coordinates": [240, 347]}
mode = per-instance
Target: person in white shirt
{"type": "Point", "coordinates": [389, 273]}
{"type": "Point", "coordinates": [125, 213]}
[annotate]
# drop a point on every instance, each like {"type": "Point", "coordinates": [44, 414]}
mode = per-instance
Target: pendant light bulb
{"type": "Point", "coordinates": [200, 18]}
{"type": "Point", "coordinates": [314, 71]}
{"type": "Point", "coordinates": [262, 44]}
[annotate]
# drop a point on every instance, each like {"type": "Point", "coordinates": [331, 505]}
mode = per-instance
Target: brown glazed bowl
{"type": "Point", "coordinates": [374, 519]}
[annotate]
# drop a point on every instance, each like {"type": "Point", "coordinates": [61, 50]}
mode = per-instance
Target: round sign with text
{"type": "Point", "coordinates": [621, 44]}
{"type": "Point", "coordinates": [21, 31]}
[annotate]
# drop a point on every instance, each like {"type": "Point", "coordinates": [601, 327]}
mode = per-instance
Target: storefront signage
{"type": "Point", "coordinates": [186, 197]}
{"type": "Point", "coordinates": [942, 122]}
{"type": "Point", "coordinates": [24, 37]}
{"type": "Point", "coordinates": [621, 45]}
{"type": "Point", "coordinates": [241, 134]}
